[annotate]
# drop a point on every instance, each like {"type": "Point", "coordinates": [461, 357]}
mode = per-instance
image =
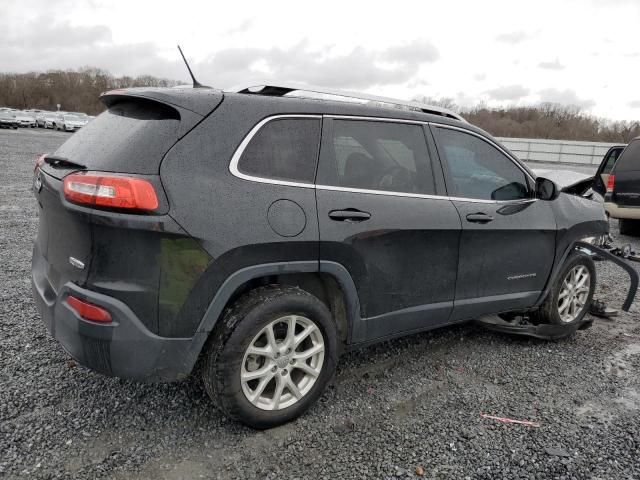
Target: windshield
{"type": "Point", "coordinates": [72, 118]}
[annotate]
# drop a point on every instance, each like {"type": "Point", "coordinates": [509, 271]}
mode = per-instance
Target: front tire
{"type": "Point", "coordinates": [271, 357]}
{"type": "Point", "coordinates": [570, 297]}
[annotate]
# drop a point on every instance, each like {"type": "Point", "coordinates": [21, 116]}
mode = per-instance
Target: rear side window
{"type": "Point", "coordinates": [477, 169]}
{"type": "Point", "coordinates": [629, 159]}
{"type": "Point", "coordinates": [612, 156]}
{"type": "Point", "coordinates": [377, 155]}
{"type": "Point", "coordinates": [283, 149]}
{"type": "Point", "coordinates": [130, 137]}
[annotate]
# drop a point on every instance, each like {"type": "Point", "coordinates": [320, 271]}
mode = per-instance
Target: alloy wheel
{"type": "Point", "coordinates": [282, 362]}
{"type": "Point", "coordinates": [574, 293]}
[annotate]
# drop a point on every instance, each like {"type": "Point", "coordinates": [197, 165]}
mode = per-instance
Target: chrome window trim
{"type": "Point", "coordinates": [233, 166]}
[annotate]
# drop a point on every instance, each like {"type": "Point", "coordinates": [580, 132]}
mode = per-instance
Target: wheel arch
{"type": "Point", "coordinates": [328, 281]}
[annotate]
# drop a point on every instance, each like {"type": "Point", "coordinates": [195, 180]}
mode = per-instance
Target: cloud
{"type": "Point", "coordinates": [359, 68]}
{"type": "Point", "coordinates": [55, 35]}
{"type": "Point", "coordinates": [478, 77]}
{"type": "Point", "coordinates": [508, 92]}
{"type": "Point", "coordinates": [514, 38]}
{"type": "Point", "coordinates": [555, 65]}
{"type": "Point", "coordinates": [634, 104]}
{"type": "Point", "coordinates": [241, 27]}
{"type": "Point", "coordinates": [420, 51]}
{"type": "Point", "coordinates": [564, 97]}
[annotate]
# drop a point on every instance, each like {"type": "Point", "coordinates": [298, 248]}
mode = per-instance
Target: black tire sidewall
{"type": "Point", "coordinates": [227, 363]}
{"type": "Point", "coordinates": [550, 310]}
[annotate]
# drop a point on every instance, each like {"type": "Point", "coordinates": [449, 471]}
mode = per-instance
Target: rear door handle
{"type": "Point", "coordinates": [349, 215]}
{"type": "Point", "coordinates": [479, 218]}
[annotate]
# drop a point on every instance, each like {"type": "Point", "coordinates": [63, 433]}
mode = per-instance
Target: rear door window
{"type": "Point", "coordinates": [376, 155]}
{"type": "Point", "coordinates": [283, 149]}
{"type": "Point", "coordinates": [477, 169]}
{"type": "Point", "coordinates": [629, 159]}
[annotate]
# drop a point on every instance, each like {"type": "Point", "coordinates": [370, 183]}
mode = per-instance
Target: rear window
{"type": "Point", "coordinates": [130, 137]}
{"type": "Point", "coordinates": [284, 149]}
{"type": "Point", "coordinates": [629, 158]}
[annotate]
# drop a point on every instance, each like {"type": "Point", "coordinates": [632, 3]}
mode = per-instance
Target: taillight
{"type": "Point", "coordinates": [39, 162]}
{"type": "Point", "coordinates": [611, 181]}
{"type": "Point", "coordinates": [111, 191]}
{"type": "Point", "coordinates": [88, 311]}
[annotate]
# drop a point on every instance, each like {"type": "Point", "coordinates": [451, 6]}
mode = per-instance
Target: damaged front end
{"type": "Point", "coordinates": [581, 226]}
{"type": "Point", "coordinates": [519, 325]}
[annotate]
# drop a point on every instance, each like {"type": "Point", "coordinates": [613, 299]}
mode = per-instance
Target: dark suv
{"type": "Point", "coordinates": [264, 233]}
{"type": "Point", "coordinates": [622, 198]}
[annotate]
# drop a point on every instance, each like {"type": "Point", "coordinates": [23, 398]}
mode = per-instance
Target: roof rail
{"type": "Point", "coordinates": [280, 90]}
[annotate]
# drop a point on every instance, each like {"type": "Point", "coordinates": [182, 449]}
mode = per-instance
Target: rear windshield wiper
{"type": "Point", "coordinates": [56, 161]}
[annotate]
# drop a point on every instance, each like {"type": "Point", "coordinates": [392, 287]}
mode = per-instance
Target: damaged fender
{"type": "Point", "coordinates": [555, 332]}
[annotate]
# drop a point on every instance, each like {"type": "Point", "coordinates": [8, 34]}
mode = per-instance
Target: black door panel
{"type": "Point", "coordinates": [512, 254]}
{"type": "Point", "coordinates": [404, 256]}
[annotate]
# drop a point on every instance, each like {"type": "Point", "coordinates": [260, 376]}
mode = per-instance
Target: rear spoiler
{"type": "Point", "coordinates": [197, 100]}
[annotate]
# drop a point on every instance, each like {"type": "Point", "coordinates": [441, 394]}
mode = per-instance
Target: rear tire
{"type": "Point", "coordinates": [260, 321]}
{"type": "Point", "coordinates": [570, 297]}
{"type": "Point", "coordinates": [628, 227]}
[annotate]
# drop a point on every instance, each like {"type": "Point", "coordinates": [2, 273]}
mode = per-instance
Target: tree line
{"type": "Point", "coordinates": [79, 91]}
{"type": "Point", "coordinates": [74, 90]}
{"type": "Point", "coordinates": [546, 120]}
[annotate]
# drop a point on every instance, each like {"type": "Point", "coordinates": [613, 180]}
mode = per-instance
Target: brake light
{"type": "Point", "coordinates": [39, 162]}
{"type": "Point", "coordinates": [112, 191]}
{"type": "Point", "coordinates": [611, 181]}
{"type": "Point", "coordinates": [88, 311]}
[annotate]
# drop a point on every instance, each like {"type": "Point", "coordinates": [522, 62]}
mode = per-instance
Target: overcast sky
{"type": "Point", "coordinates": [580, 52]}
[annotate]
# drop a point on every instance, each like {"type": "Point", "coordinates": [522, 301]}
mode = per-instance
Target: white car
{"type": "Point", "coordinates": [25, 119]}
{"type": "Point", "coordinates": [68, 122]}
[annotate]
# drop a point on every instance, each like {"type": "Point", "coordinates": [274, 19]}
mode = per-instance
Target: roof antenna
{"type": "Point", "coordinates": [196, 84]}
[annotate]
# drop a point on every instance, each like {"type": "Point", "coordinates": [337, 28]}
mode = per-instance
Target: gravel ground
{"type": "Point", "coordinates": [409, 403]}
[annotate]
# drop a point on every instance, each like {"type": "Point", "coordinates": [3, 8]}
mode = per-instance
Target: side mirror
{"type": "Point", "coordinates": [546, 189]}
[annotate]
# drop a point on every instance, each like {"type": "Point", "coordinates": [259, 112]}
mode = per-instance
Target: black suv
{"type": "Point", "coordinates": [265, 232]}
{"type": "Point", "coordinates": [622, 198]}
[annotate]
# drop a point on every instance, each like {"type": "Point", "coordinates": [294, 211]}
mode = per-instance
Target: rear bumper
{"type": "Point", "coordinates": [616, 211]}
{"type": "Point", "coordinates": [124, 348]}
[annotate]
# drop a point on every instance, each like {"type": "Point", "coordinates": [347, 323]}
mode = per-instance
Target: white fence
{"type": "Point", "coordinates": [557, 151]}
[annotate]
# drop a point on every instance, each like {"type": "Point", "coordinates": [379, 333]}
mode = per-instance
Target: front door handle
{"type": "Point", "coordinates": [349, 215]}
{"type": "Point", "coordinates": [479, 218]}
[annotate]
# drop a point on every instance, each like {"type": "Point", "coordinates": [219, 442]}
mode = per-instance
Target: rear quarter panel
{"type": "Point", "coordinates": [227, 215]}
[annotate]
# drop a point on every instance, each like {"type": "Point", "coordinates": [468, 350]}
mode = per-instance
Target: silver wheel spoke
{"type": "Point", "coordinates": [309, 353]}
{"type": "Point", "coordinates": [264, 371]}
{"type": "Point", "coordinates": [291, 331]}
{"type": "Point", "coordinates": [304, 334]}
{"type": "Point", "coordinates": [307, 369]}
{"type": "Point", "coordinates": [277, 394]}
{"type": "Point", "coordinates": [260, 388]}
{"type": "Point", "coordinates": [293, 388]}
{"type": "Point", "coordinates": [271, 339]}
{"type": "Point", "coordinates": [261, 351]}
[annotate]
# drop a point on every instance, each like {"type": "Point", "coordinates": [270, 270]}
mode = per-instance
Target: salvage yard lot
{"type": "Point", "coordinates": [393, 407]}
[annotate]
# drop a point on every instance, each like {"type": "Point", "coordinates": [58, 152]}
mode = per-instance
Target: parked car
{"type": "Point", "coordinates": [8, 119]}
{"type": "Point", "coordinates": [41, 118]}
{"type": "Point", "coordinates": [622, 199]}
{"type": "Point", "coordinates": [68, 122]}
{"type": "Point", "coordinates": [602, 174]}
{"type": "Point", "coordinates": [265, 235]}
{"type": "Point", "coordinates": [49, 119]}
{"type": "Point", "coordinates": [25, 119]}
